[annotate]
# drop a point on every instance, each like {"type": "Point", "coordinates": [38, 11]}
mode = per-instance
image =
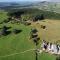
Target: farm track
{"type": "Point", "coordinates": [17, 53]}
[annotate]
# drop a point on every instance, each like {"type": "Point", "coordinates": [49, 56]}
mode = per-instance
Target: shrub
{"type": "Point", "coordinates": [34, 35]}
{"type": "Point", "coordinates": [38, 17]}
{"type": "Point", "coordinates": [16, 31]}
{"type": "Point", "coordinates": [42, 26]}
{"type": "Point", "coordinates": [5, 30]}
{"type": "Point", "coordinates": [34, 30]}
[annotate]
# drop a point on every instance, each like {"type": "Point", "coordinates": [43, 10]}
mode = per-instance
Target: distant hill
{"type": "Point", "coordinates": [5, 4]}
{"type": "Point", "coordinates": [44, 5]}
{"type": "Point", "coordinates": [49, 6]}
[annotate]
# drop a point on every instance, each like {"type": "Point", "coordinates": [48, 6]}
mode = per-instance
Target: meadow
{"type": "Point", "coordinates": [14, 44]}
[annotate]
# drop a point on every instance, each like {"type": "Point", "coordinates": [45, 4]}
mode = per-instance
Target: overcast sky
{"type": "Point", "coordinates": [28, 0]}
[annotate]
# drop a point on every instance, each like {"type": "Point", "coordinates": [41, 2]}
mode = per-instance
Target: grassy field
{"type": "Point", "coordinates": [17, 43]}
{"type": "Point", "coordinates": [3, 15]}
{"type": "Point", "coordinates": [12, 43]}
{"type": "Point", "coordinates": [52, 31]}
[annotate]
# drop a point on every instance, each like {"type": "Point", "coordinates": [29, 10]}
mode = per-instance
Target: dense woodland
{"type": "Point", "coordinates": [30, 13]}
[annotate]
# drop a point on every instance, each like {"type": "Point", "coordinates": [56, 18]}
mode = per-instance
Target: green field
{"type": "Point", "coordinates": [12, 44]}
{"type": "Point", "coordinates": [17, 43]}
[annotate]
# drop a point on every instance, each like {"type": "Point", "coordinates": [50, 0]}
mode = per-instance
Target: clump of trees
{"type": "Point", "coordinates": [34, 30]}
{"type": "Point", "coordinates": [43, 26]}
{"type": "Point", "coordinates": [35, 38]}
{"type": "Point", "coordinates": [16, 31]}
{"type": "Point", "coordinates": [23, 16]}
{"type": "Point", "coordinates": [5, 30]}
{"type": "Point", "coordinates": [16, 14]}
{"type": "Point", "coordinates": [38, 17]}
{"type": "Point", "coordinates": [8, 20]}
{"type": "Point", "coordinates": [30, 14]}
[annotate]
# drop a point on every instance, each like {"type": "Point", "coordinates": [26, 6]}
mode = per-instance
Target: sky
{"type": "Point", "coordinates": [27, 0]}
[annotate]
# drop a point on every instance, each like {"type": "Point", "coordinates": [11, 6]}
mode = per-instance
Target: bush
{"type": "Point", "coordinates": [5, 30]}
{"type": "Point", "coordinates": [36, 40]}
{"type": "Point", "coordinates": [34, 30]}
{"type": "Point", "coordinates": [38, 17]}
{"type": "Point", "coordinates": [16, 31]}
{"type": "Point", "coordinates": [34, 35]}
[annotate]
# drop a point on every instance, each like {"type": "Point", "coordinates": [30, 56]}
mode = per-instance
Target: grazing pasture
{"type": "Point", "coordinates": [16, 43]}
{"type": "Point", "coordinates": [52, 31]}
{"type": "Point", "coordinates": [20, 46]}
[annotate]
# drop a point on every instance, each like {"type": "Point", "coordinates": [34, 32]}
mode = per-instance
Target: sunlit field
{"type": "Point", "coordinates": [20, 46]}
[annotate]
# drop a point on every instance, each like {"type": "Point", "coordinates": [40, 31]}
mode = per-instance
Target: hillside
{"type": "Point", "coordinates": [20, 46]}
{"type": "Point", "coordinates": [48, 6]}
{"type": "Point", "coordinates": [44, 5]}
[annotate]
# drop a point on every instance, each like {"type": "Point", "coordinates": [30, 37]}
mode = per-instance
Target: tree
{"type": "Point", "coordinates": [38, 17]}
{"type": "Point", "coordinates": [16, 14]}
{"type": "Point", "coordinates": [35, 39]}
{"type": "Point", "coordinates": [42, 17]}
{"type": "Point", "coordinates": [34, 30]}
{"type": "Point", "coordinates": [5, 30]}
{"type": "Point", "coordinates": [16, 31]}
